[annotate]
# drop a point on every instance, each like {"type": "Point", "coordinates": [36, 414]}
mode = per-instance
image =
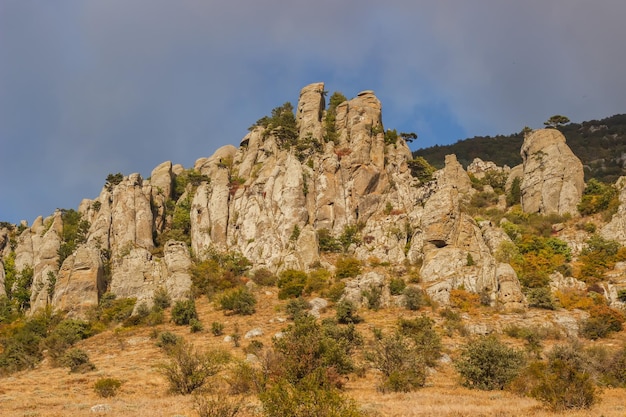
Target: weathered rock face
{"type": "Point", "coordinates": [616, 228]}
{"type": "Point", "coordinates": [371, 283]}
{"type": "Point", "coordinates": [80, 282]}
{"type": "Point", "coordinates": [138, 274]}
{"type": "Point", "coordinates": [456, 253]}
{"type": "Point", "coordinates": [269, 199]}
{"type": "Point", "coordinates": [273, 216]}
{"type": "Point", "coordinates": [310, 109]}
{"type": "Point", "coordinates": [553, 179]}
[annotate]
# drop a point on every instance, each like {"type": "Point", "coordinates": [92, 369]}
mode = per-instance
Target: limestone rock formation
{"type": "Point", "coordinates": [271, 199]}
{"type": "Point", "coordinates": [616, 228]}
{"type": "Point", "coordinates": [553, 179]}
{"type": "Point", "coordinates": [138, 274]}
{"type": "Point", "coordinates": [80, 282]}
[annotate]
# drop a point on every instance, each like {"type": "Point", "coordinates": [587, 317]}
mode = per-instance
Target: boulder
{"type": "Point", "coordinates": [553, 179]}
{"type": "Point", "coordinates": [80, 282]}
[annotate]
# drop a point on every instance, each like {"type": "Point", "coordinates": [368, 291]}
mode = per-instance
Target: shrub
{"type": "Point", "coordinates": [161, 299]}
{"type": "Point", "coordinates": [347, 312]}
{"type": "Point", "coordinates": [114, 309]}
{"type": "Point", "coordinates": [347, 267]}
{"type": "Point", "coordinates": [77, 360]}
{"type": "Point", "coordinates": [291, 283]}
{"type": "Point", "coordinates": [167, 340]}
{"type": "Point", "coordinates": [464, 300]}
{"type": "Point", "coordinates": [413, 298]}
{"type": "Point", "coordinates": [107, 387]}
{"type": "Point", "coordinates": [184, 311]}
{"type": "Point", "coordinates": [216, 406]}
{"type": "Point", "coordinates": [238, 301]}
{"type": "Point", "coordinates": [296, 308]}
{"type": "Point", "coordinates": [563, 382]}
{"type": "Point", "coordinates": [217, 328]}
{"type": "Point", "coordinates": [397, 286]}
{"type": "Point", "coordinates": [21, 343]}
{"type": "Point", "coordinates": [264, 277]}
{"type": "Point", "coordinates": [421, 169]}
{"type": "Point", "coordinates": [425, 339]}
{"type": "Point", "coordinates": [244, 379]}
{"type": "Point", "coordinates": [64, 335]}
{"type": "Point", "coordinates": [335, 291]}
{"type": "Point", "coordinates": [327, 242]}
{"type": "Point", "coordinates": [310, 397]}
{"type": "Point", "coordinates": [189, 369]}
{"type": "Point", "coordinates": [597, 197]}
{"type": "Point", "coordinates": [402, 367]}
{"type": "Point", "coordinates": [317, 281]}
{"type": "Point", "coordinates": [602, 321]}
{"type": "Point", "coordinates": [308, 346]}
{"type": "Point", "coordinates": [540, 297]}
{"type": "Point", "coordinates": [195, 326]}
{"type": "Point", "coordinates": [373, 295]}
{"type": "Point", "coordinates": [487, 364]}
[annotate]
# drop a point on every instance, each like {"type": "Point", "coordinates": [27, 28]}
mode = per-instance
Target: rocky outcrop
{"type": "Point", "coordinates": [270, 199]}
{"type": "Point", "coordinates": [139, 274]}
{"type": "Point", "coordinates": [80, 282]}
{"type": "Point", "coordinates": [371, 284]}
{"type": "Point", "coordinates": [616, 228]}
{"type": "Point", "coordinates": [553, 178]}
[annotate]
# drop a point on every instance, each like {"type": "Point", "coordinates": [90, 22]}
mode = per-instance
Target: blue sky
{"type": "Point", "coordinates": [89, 88]}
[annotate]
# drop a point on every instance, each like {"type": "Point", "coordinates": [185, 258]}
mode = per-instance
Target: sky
{"type": "Point", "coordinates": [92, 87]}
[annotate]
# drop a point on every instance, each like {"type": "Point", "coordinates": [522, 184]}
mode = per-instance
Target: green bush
{"type": "Point", "coordinates": [184, 311]}
{"type": "Point", "coordinates": [486, 363]}
{"type": "Point", "coordinates": [563, 382]}
{"type": "Point", "coordinates": [161, 299]}
{"type": "Point", "coordinates": [414, 298]}
{"type": "Point", "coordinates": [402, 367]}
{"type": "Point", "coordinates": [540, 297]}
{"type": "Point", "coordinates": [64, 335]}
{"type": "Point", "coordinates": [310, 397]}
{"type": "Point", "coordinates": [347, 267]}
{"type": "Point", "coordinates": [264, 277]}
{"type": "Point", "coordinates": [195, 326]}
{"type": "Point", "coordinates": [308, 346]}
{"type": "Point", "coordinates": [167, 340]}
{"type": "Point", "coordinates": [217, 328]}
{"type": "Point", "coordinates": [373, 295]}
{"type": "Point", "coordinates": [296, 308]}
{"type": "Point", "coordinates": [597, 197]}
{"type": "Point", "coordinates": [347, 312]}
{"type": "Point", "coordinates": [189, 370]}
{"type": "Point", "coordinates": [112, 309]}
{"type": "Point", "coordinates": [107, 387]}
{"type": "Point", "coordinates": [238, 301]}
{"type": "Point", "coordinates": [77, 360]}
{"type": "Point", "coordinates": [291, 283]}
{"type": "Point", "coordinates": [397, 286]}
{"type": "Point", "coordinates": [317, 281]}
{"type": "Point", "coordinates": [426, 341]}
{"type": "Point", "coordinates": [327, 242]}
{"type": "Point", "coordinates": [21, 343]}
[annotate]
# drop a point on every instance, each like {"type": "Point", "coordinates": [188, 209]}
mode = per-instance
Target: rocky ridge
{"type": "Point", "coordinates": [270, 198]}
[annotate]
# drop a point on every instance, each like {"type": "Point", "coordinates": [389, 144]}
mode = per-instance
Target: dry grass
{"type": "Point", "coordinates": [131, 356]}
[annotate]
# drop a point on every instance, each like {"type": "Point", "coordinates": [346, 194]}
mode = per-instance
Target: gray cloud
{"type": "Point", "coordinates": [90, 88]}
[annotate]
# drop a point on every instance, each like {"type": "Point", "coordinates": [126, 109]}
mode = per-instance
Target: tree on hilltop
{"type": "Point", "coordinates": [556, 120]}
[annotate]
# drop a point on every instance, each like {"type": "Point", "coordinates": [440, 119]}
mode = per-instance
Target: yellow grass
{"type": "Point", "coordinates": [132, 356]}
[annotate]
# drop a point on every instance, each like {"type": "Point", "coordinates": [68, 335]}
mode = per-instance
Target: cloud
{"type": "Point", "coordinates": [91, 88]}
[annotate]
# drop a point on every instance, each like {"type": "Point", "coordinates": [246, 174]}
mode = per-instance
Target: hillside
{"type": "Point", "coordinates": [600, 145]}
{"type": "Point", "coordinates": [319, 268]}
